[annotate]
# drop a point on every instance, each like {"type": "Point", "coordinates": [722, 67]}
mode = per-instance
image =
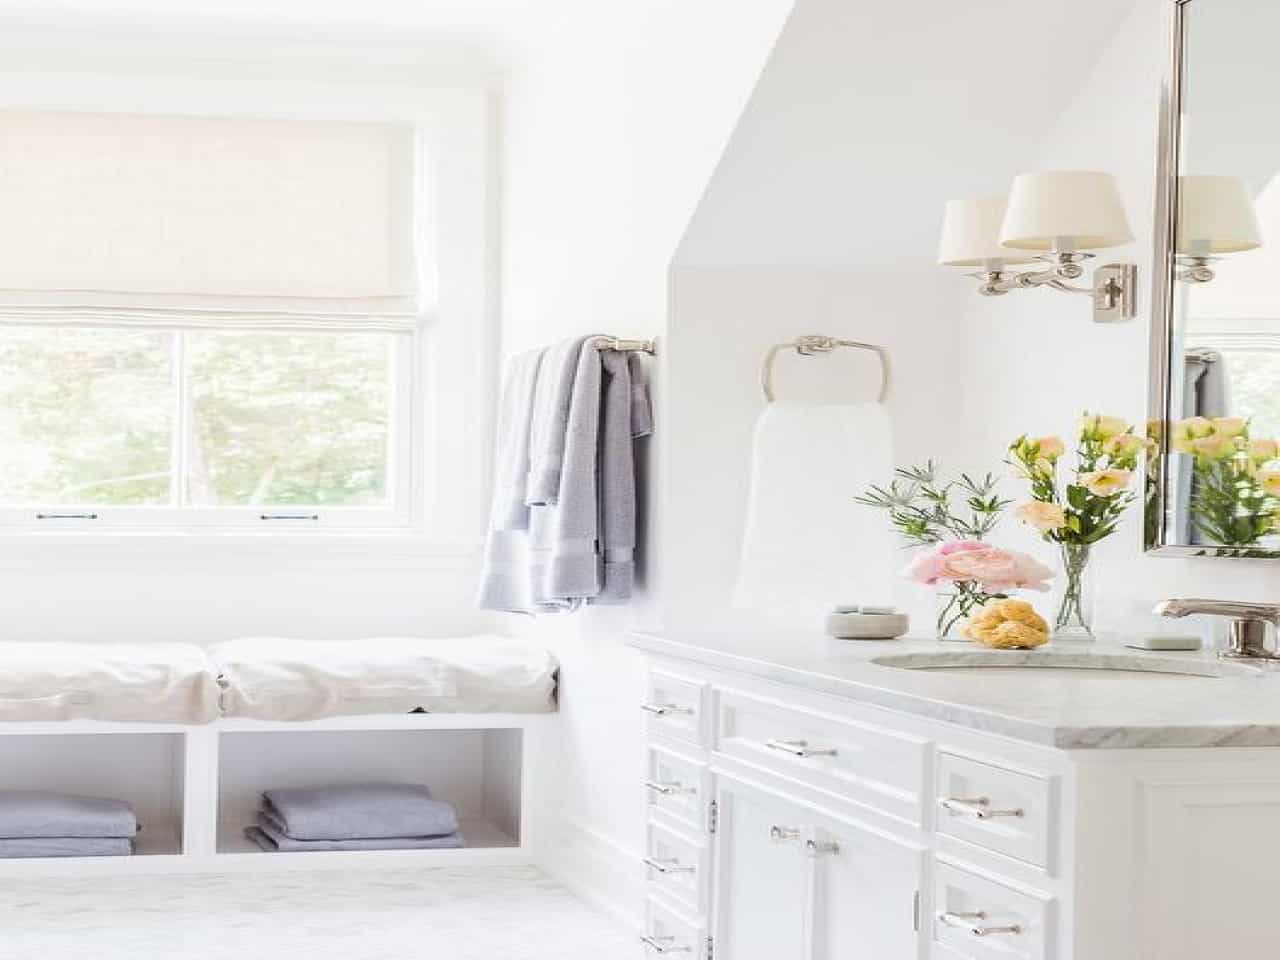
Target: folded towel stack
{"type": "Point", "coordinates": [367, 816]}
{"type": "Point", "coordinates": [40, 824]}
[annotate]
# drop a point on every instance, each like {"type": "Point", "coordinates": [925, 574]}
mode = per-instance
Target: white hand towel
{"type": "Point", "coordinates": [807, 545]}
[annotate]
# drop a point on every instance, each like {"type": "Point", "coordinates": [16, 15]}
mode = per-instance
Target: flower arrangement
{"type": "Point", "coordinates": [978, 573]}
{"type": "Point", "coordinates": [952, 517]}
{"type": "Point", "coordinates": [1235, 496]}
{"type": "Point", "coordinates": [1076, 508]}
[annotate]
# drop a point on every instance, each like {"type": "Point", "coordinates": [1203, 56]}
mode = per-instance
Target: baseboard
{"type": "Point", "coordinates": [597, 869]}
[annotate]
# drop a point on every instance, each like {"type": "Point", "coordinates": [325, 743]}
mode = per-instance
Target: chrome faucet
{"type": "Point", "coordinates": [1248, 636]}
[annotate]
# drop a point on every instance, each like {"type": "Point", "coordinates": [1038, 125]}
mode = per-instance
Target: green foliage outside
{"type": "Point", "coordinates": [87, 417]}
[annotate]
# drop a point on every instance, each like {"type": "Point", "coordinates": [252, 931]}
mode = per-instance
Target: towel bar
{"type": "Point", "coordinates": [814, 344]}
{"type": "Point", "coordinates": [631, 346]}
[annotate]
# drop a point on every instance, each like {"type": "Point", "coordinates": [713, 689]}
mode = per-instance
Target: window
{"type": "Point", "coordinates": [207, 321]}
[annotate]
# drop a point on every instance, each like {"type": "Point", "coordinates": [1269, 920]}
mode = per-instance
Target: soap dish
{"type": "Point", "coordinates": [867, 626]}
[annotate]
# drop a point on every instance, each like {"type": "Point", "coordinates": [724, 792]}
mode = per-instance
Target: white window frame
{"type": "Point", "coordinates": [450, 361]}
{"type": "Point", "coordinates": [404, 473]}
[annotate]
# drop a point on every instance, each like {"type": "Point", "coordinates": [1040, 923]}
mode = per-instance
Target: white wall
{"type": "Point", "coordinates": [614, 125]}
{"type": "Point", "coordinates": [1036, 360]}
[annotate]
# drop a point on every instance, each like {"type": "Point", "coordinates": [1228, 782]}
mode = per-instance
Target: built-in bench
{"type": "Point", "coordinates": [195, 781]}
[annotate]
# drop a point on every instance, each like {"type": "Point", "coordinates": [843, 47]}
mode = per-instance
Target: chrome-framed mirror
{"type": "Point", "coordinates": [1213, 472]}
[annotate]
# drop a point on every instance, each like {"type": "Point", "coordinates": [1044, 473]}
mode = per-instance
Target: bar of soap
{"type": "Point", "coordinates": [867, 626]}
{"type": "Point", "coordinates": [1179, 641]}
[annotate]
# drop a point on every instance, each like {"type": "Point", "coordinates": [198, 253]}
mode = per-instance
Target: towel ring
{"type": "Point", "coordinates": [811, 346]}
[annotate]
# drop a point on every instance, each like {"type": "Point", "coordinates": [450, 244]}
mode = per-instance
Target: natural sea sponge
{"type": "Point", "coordinates": [1007, 625]}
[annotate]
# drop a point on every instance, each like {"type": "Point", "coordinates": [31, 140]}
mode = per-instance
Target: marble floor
{"type": "Point", "coordinates": [490, 913]}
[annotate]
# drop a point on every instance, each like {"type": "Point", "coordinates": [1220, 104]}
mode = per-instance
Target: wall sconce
{"type": "Point", "coordinates": [1215, 216]}
{"type": "Point", "coordinates": [1057, 218]}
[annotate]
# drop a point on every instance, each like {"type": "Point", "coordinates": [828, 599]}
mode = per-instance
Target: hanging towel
{"type": "Point", "coordinates": [36, 813]}
{"type": "Point", "coordinates": [272, 840]}
{"type": "Point", "coordinates": [807, 545]}
{"type": "Point", "coordinates": [505, 577]}
{"type": "Point", "coordinates": [566, 561]}
{"type": "Point", "coordinates": [550, 419]}
{"type": "Point", "coordinates": [367, 811]}
{"type": "Point", "coordinates": [29, 847]}
{"type": "Point", "coordinates": [626, 417]}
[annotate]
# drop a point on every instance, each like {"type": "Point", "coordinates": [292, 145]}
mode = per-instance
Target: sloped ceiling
{"type": "Point", "coordinates": [870, 115]}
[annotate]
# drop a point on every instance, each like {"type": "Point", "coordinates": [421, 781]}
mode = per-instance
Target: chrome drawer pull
{"type": "Point", "coordinates": [979, 807]}
{"type": "Point", "coordinates": [665, 945]}
{"type": "Point", "coordinates": [667, 866]}
{"type": "Point", "coordinates": [817, 848]}
{"type": "Point", "coordinates": [973, 923]}
{"type": "Point", "coordinates": [798, 748]}
{"type": "Point", "coordinates": [670, 789]}
{"type": "Point", "coordinates": [783, 834]}
{"type": "Point", "coordinates": [664, 709]}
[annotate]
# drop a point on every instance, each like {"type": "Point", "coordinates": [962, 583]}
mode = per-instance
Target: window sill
{"type": "Point", "coordinates": [230, 551]}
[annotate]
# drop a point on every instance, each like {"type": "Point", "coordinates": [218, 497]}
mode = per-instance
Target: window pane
{"type": "Point", "coordinates": [85, 416]}
{"type": "Point", "coordinates": [289, 419]}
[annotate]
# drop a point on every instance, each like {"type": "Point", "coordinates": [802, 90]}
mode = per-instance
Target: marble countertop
{"type": "Point", "coordinates": [1189, 700]}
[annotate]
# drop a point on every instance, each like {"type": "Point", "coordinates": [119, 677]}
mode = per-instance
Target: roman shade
{"type": "Point", "coordinates": [173, 221]}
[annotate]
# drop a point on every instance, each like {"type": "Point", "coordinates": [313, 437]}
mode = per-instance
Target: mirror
{"type": "Point", "coordinates": [1213, 479]}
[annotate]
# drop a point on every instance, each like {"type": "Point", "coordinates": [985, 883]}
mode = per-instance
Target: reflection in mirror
{"type": "Point", "coordinates": [1214, 484]}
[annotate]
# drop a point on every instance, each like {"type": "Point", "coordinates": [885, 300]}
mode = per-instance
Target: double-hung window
{"type": "Point", "coordinates": [207, 321]}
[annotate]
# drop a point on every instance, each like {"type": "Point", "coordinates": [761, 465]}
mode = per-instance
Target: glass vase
{"type": "Point", "coordinates": [1074, 619]}
{"type": "Point", "coordinates": [956, 603]}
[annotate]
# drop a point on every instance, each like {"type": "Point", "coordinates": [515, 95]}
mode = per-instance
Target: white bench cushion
{"type": "Point", "coordinates": [273, 678]}
{"type": "Point", "coordinates": [151, 682]}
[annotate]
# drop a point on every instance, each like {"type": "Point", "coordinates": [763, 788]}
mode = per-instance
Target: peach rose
{"type": "Point", "coordinates": [1124, 446]}
{"type": "Point", "coordinates": [1214, 447]}
{"type": "Point", "coordinates": [997, 570]}
{"type": "Point", "coordinates": [1269, 480]}
{"type": "Point", "coordinates": [1096, 426]}
{"type": "Point", "coordinates": [1045, 517]}
{"type": "Point", "coordinates": [1049, 448]}
{"type": "Point", "coordinates": [1186, 432]}
{"type": "Point", "coordinates": [1230, 426]}
{"type": "Point", "coordinates": [1106, 483]}
{"type": "Point", "coordinates": [1262, 450]}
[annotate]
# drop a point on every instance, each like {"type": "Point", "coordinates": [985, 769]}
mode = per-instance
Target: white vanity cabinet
{"type": "Point", "coordinates": [787, 822]}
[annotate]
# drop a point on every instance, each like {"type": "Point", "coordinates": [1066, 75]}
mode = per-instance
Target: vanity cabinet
{"type": "Point", "coordinates": [789, 823]}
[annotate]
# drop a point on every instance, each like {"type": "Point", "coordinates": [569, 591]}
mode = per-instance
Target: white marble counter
{"type": "Point", "coordinates": [1192, 700]}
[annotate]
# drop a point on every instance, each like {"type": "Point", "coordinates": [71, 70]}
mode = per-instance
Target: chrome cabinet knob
{"type": "Point", "coordinates": [820, 848]}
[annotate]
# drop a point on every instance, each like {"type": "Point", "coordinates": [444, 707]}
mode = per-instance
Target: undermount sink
{"type": "Point", "coordinates": [1064, 663]}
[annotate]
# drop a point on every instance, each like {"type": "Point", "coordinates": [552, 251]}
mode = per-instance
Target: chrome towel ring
{"type": "Point", "coordinates": [812, 346]}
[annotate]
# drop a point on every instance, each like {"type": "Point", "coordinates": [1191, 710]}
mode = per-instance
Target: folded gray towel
{"type": "Point", "coordinates": [37, 813]}
{"type": "Point", "coordinates": [25, 847]}
{"type": "Point", "coordinates": [365, 811]}
{"type": "Point", "coordinates": [266, 836]}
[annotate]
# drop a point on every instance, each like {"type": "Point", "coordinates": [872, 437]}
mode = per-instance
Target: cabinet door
{"type": "Point", "coordinates": [761, 875]}
{"type": "Point", "coordinates": [865, 895]}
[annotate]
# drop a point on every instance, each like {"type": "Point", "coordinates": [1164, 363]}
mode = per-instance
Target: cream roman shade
{"type": "Point", "coordinates": [199, 221]}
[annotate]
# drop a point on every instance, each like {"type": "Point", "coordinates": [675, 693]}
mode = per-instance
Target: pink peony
{"type": "Point", "coordinates": [969, 561]}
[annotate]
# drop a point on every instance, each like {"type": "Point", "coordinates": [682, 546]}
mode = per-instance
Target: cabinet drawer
{"type": "Point", "coordinates": [678, 867]}
{"type": "Point", "coordinates": [677, 786]}
{"type": "Point", "coordinates": [860, 762]}
{"type": "Point", "coordinates": [668, 933]}
{"type": "Point", "coordinates": [676, 707]}
{"type": "Point", "coordinates": [999, 809]}
{"type": "Point", "coordinates": [979, 919]}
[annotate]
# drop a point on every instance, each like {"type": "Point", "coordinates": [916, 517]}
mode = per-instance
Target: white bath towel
{"type": "Point", "coordinates": [550, 421]}
{"type": "Point", "coordinates": [807, 545]}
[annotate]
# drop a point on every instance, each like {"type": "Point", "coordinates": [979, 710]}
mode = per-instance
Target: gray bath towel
{"type": "Point", "coordinates": [565, 556]}
{"type": "Point", "coordinates": [37, 813]}
{"type": "Point", "coordinates": [27, 847]}
{"type": "Point", "coordinates": [626, 417]}
{"type": "Point", "coordinates": [266, 836]}
{"type": "Point", "coordinates": [368, 811]}
{"type": "Point", "coordinates": [550, 419]}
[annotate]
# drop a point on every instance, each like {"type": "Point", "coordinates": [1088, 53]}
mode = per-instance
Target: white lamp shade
{"type": "Point", "coordinates": [971, 234]}
{"type": "Point", "coordinates": [1065, 211]}
{"type": "Point", "coordinates": [1216, 215]}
